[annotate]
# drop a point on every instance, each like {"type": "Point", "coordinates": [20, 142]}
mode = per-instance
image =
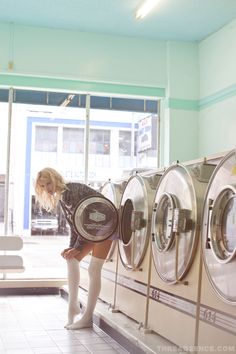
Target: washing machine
{"type": "Point", "coordinates": [112, 191]}
{"type": "Point", "coordinates": [133, 245]}
{"type": "Point", "coordinates": [217, 320]}
{"type": "Point", "coordinates": [175, 228]}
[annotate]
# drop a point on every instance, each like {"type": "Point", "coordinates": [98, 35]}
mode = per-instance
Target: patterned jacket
{"type": "Point", "coordinates": [74, 193]}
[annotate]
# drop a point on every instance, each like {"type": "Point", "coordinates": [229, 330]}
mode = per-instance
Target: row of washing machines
{"type": "Point", "coordinates": [173, 268]}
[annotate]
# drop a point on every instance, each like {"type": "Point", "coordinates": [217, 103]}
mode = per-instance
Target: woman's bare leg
{"type": "Point", "coordinates": [99, 254]}
{"type": "Point", "coordinates": [101, 249]}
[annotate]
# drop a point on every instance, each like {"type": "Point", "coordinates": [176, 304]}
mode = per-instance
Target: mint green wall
{"type": "Point", "coordinates": [5, 41]}
{"type": "Point", "coordinates": [196, 81]}
{"type": "Point", "coordinates": [218, 127]}
{"type": "Point", "coordinates": [87, 58]}
{"type": "Point", "coordinates": [181, 113]}
{"type": "Point", "coordinates": [217, 114]}
{"type": "Point", "coordinates": [78, 61]}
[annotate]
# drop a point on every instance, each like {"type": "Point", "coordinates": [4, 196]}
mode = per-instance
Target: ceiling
{"type": "Point", "coordinates": [181, 20]}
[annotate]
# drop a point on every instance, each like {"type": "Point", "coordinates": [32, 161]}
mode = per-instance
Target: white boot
{"type": "Point", "coordinates": [73, 287]}
{"type": "Point", "coordinates": [94, 271]}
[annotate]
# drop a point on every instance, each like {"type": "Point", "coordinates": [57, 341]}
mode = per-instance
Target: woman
{"type": "Point", "coordinates": [52, 190]}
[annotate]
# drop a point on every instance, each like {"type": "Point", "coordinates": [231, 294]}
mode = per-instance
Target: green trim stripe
{"type": "Point", "coordinates": [77, 85]}
{"type": "Point", "coordinates": [219, 96]}
{"type": "Point", "coordinates": [69, 85]}
{"type": "Point", "coordinates": [195, 105]}
{"type": "Point", "coordinates": [186, 105]}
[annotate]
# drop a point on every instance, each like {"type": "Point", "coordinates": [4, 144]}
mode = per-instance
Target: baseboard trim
{"type": "Point", "coordinates": [30, 291]}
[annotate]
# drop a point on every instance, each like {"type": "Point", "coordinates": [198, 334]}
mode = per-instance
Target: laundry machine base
{"type": "Point", "coordinates": [172, 324]}
{"type": "Point", "coordinates": [217, 322]}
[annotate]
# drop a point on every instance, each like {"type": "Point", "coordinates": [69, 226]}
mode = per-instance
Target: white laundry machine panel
{"type": "Point", "coordinates": [112, 191]}
{"type": "Point", "coordinates": [176, 220]}
{"type": "Point", "coordinates": [217, 322]}
{"type": "Point", "coordinates": [134, 261]}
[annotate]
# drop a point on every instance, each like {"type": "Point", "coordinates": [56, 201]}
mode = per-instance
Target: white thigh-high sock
{"type": "Point", "coordinates": [73, 287]}
{"type": "Point", "coordinates": [94, 271]}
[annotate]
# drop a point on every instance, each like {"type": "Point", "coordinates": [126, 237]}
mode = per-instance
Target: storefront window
{"type": "Point", "coordinates": [125, 143]}
{"type": "Point", "coordinates": [73, 140]}
{"type": "Point", "coordinates": [48, 136]}
{"type": "Point", "coordinates": [99, 142]}
{"type": "Point", "coordinates": [45, 139]}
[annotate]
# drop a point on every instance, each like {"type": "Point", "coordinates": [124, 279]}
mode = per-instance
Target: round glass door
{"type": "Point", "coordinates": [219, 229]}
{"type": "Point", "coordinates": [174, 220]}
{"type": "Point", "coordinates": [223, 225]}
{"type": "Point", "coordinates": [135, 217]}
{"type": "Point", "coordinates": [113, 191]}
{"type": "Point", "coordinates": [95, 218]}
{"type": "Point", "coordinates": [162, 225]}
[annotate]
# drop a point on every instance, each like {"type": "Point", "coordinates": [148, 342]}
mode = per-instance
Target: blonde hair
{"type": "Point", "coordinates": [46, 200]}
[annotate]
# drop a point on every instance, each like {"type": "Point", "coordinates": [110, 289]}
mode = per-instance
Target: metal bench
{"type": "Point", "coordinates": [10, 263]}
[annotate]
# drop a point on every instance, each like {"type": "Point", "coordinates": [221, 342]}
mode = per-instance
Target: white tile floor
{"type": "Point", "coordinates": [35, 324]}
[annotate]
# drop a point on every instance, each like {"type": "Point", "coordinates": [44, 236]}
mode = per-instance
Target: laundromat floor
{"type": "Point", "coordinates": [126, 331]}
{"type": "Point", "coordinates": [34, 324]}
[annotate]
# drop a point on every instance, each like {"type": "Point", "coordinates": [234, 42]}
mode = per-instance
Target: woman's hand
{"type": "Point", "coordinates": [70, 253]}
{"type": "Point", "coordinates": [64, 251]}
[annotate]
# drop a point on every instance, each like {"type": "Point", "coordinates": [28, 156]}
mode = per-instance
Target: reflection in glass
{"type": "Point", "coordinates": [229, 225]}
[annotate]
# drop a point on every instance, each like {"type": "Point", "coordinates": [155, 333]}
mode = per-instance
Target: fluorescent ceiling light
{"type": "Point", "coordinates": [145, 8]}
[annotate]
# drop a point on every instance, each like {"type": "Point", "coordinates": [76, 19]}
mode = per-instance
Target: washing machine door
{"type": "Point", "coordinates": [219, 229]}
{"type": "Point", "coordinates": [135, 217]}
{"type": "Point", "coordinates": [113, 191]}
{"type": "Point", "coordinates": [175, 222]}
{"type": "Point", "coordinates": [95, 218]}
